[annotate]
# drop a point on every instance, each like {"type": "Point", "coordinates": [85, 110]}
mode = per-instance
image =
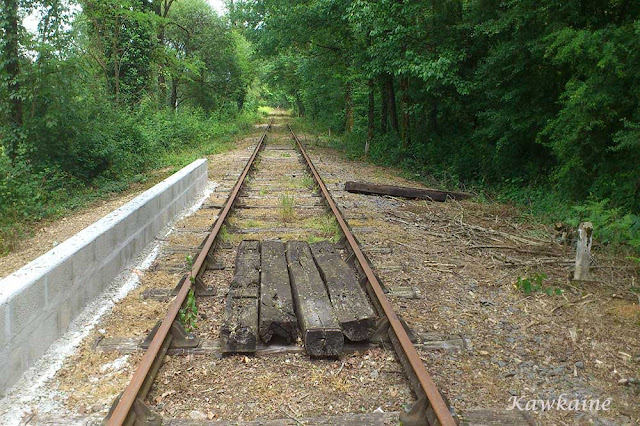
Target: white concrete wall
{"type": "Point", "coordinates": [38, 301]}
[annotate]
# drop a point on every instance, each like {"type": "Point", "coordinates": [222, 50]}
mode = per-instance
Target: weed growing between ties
{"type": "Point", "coordinates": [308, 181]}
{"type": "Point", "coordinates": [189, 314]}
{"type": "Point", "coordinates": [286, 209]}
{"type": "Point", "coordinates": [535, 284]}
{"type": "Point", "coordinates": [223, 234]}
{"type": "Point", "coordinates": [327, 226]}
{"type": "Point", "coordinates": [252, 223]}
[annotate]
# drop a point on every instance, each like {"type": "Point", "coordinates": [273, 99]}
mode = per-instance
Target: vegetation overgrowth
{"type": "Point", "coordinates": [537, 101]}
{"type": "Point", "coordinates": [102, 93]}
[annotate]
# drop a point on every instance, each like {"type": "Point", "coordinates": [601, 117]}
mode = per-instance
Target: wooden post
{"type": "Point", "coordinates": [583, 251]}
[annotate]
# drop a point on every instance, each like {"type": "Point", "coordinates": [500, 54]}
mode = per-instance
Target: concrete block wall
{"type": "Point", "coordinates": [38, 301]}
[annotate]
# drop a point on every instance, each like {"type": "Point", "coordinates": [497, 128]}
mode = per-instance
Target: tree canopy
{"type": "Point", "coordinates": [540, 92]}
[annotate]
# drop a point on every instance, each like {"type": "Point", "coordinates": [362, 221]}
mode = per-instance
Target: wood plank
{"type": "Point", "coordinates": [297, 206]}
{"type": "Point", "coordinates": [405, 292]}
{"type": "Point", "coordinates": [496, 417]}
{"type": "Point", "coordinates": [278, 230]}
{"type": "Point", "coordinates": [350, 303]}
{"type": "Point", "coordinates": [128, 345]}
{"type": "Point", "coordinates": [239, 332]}
{"type": "Point", "coordinates": [320, 328]}
{"type": "Point", "coordinates": [403, 191]}
{"type": "Point", "coordinates": [426, 341]}
{"type": "Point", "coordinates": [306, 195]}
{"type": "Point", "coordinates": [277, 312]}
{"type": "Point", "coordinates": [348, 419]}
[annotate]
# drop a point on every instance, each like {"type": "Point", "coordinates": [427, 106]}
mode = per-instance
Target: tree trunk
{"type": "Point", "coordinates": [391, 102]}
{"type": "Point", "coordinates": [406, 128]}
{"type": "Point", "coordinates": [12, 69]}
{"type": "Point", "coordinates": [174, 93]}
{"type": "Point", "coordinates": [384, 108]}
{"type": "Point", "coordinates": [371, 117]}
{"type": "Point", "coordinates": [162, 81]}
{"type": "Point", "coordinates": [116, 63]}
{"type": "Point", "coordinates": [348, 107]}
{"type": "Point", "coordinates": [300, 105]}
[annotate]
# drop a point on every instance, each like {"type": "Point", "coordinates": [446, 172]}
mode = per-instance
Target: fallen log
{"type": "Point", "coordinates": [320, 328]}
{"type": "Point", "coordinates": [403, 191]}
{"type": "Point", "coordinates": [350, 303]}
{"type": "Point", "coordinates": [277, 313]}
{"type": "Point", "coordinates": [240, 328]}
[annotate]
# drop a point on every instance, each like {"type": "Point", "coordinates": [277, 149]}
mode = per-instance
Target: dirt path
{"type": "Point", "coordinates": [48, 234]}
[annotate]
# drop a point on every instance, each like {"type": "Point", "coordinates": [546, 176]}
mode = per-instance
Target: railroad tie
{"type": "Point", "coordinates": [350, 303]}
{"type": "Point", "coordinates": [277, 312]}
{"type": "Point", "coordinates": [240, 329]}
{"type": "Point", "coordinates": [320, 328]}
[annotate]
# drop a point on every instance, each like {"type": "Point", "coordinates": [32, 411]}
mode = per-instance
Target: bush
{"type": "Point", "coordinates": [78, 154]}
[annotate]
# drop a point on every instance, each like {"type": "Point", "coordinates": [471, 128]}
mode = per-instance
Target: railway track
{"type": "Point", "coordinates": [279, 195]}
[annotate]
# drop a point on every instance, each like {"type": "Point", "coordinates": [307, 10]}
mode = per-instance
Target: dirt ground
{"type": "Point", "coordinates": [48, 234]}
{"type": "Point", "coordinates": [464, 258]}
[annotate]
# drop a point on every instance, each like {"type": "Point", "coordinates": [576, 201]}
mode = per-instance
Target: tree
{"type": "Point", "coordinates": [11, 75]}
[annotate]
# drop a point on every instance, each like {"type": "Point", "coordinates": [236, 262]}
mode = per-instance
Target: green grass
{"type": "Point", "coordinates": [265, 110]}
{"type": "Point", "coordinates": [326, 225]}
{"type": "Point", "coordinates": [286, 208]}
{"type": "Point", "coordinates": [223, 234]}
{"type": "Point", "coordinates": [308, 181]}
{"type": "Point", "coordinates": [252, 223]}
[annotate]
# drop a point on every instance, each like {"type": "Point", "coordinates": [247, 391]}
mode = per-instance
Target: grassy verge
{"type": "Point", "coordinates": [164, 143]}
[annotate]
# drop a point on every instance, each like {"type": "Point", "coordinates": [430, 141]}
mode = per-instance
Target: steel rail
{"type": "Point", "coordinates": [426, 382]}
{"type": "Point", "coordinates": [131, 392]}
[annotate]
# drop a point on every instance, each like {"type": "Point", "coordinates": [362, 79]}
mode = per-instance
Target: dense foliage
{"type": "Point", "coordinates": [514, 94]}
{"type": "Point", "coordinates": [106, 90]}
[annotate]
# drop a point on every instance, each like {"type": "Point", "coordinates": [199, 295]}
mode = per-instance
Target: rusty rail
{"type": "Point", "coordinates": [126, 410]}
{"type": "Point", "coordinates": [159, 345]}
{"type": "Point", "coordinates": [426, 384]}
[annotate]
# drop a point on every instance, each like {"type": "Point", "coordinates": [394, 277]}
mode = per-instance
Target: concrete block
{"type": "Point", "coordinates": [4, 379]}
{"type": "Point", "coordinates": [40, 338]}
{"type": "Point", "coordinates": [5, 325]}
{"type": "Point", "coordinates": [84, 261]}
{"type": "Point", "coordinates": [38, 302]}
{"type": "Point", "coordinates": [104, 244]}
{"type": "Point", "coordinates": [26, 305]}
{"type": "Point", "coordinates": [59, 281]}
{"type": "Point", "coordinates": [65, 314]}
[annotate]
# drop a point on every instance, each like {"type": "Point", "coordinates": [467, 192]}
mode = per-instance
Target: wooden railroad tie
{"type": "Point", "coordinates": [277, 312]}
{"type": "Point", "coordinates": [404, 191]}
{"type": "Point", "coordinates": [350, 303]}
{"type": "Point", "coordinates": [320, 328]}
{"type": "Point", "coordinates": [239, 331]}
